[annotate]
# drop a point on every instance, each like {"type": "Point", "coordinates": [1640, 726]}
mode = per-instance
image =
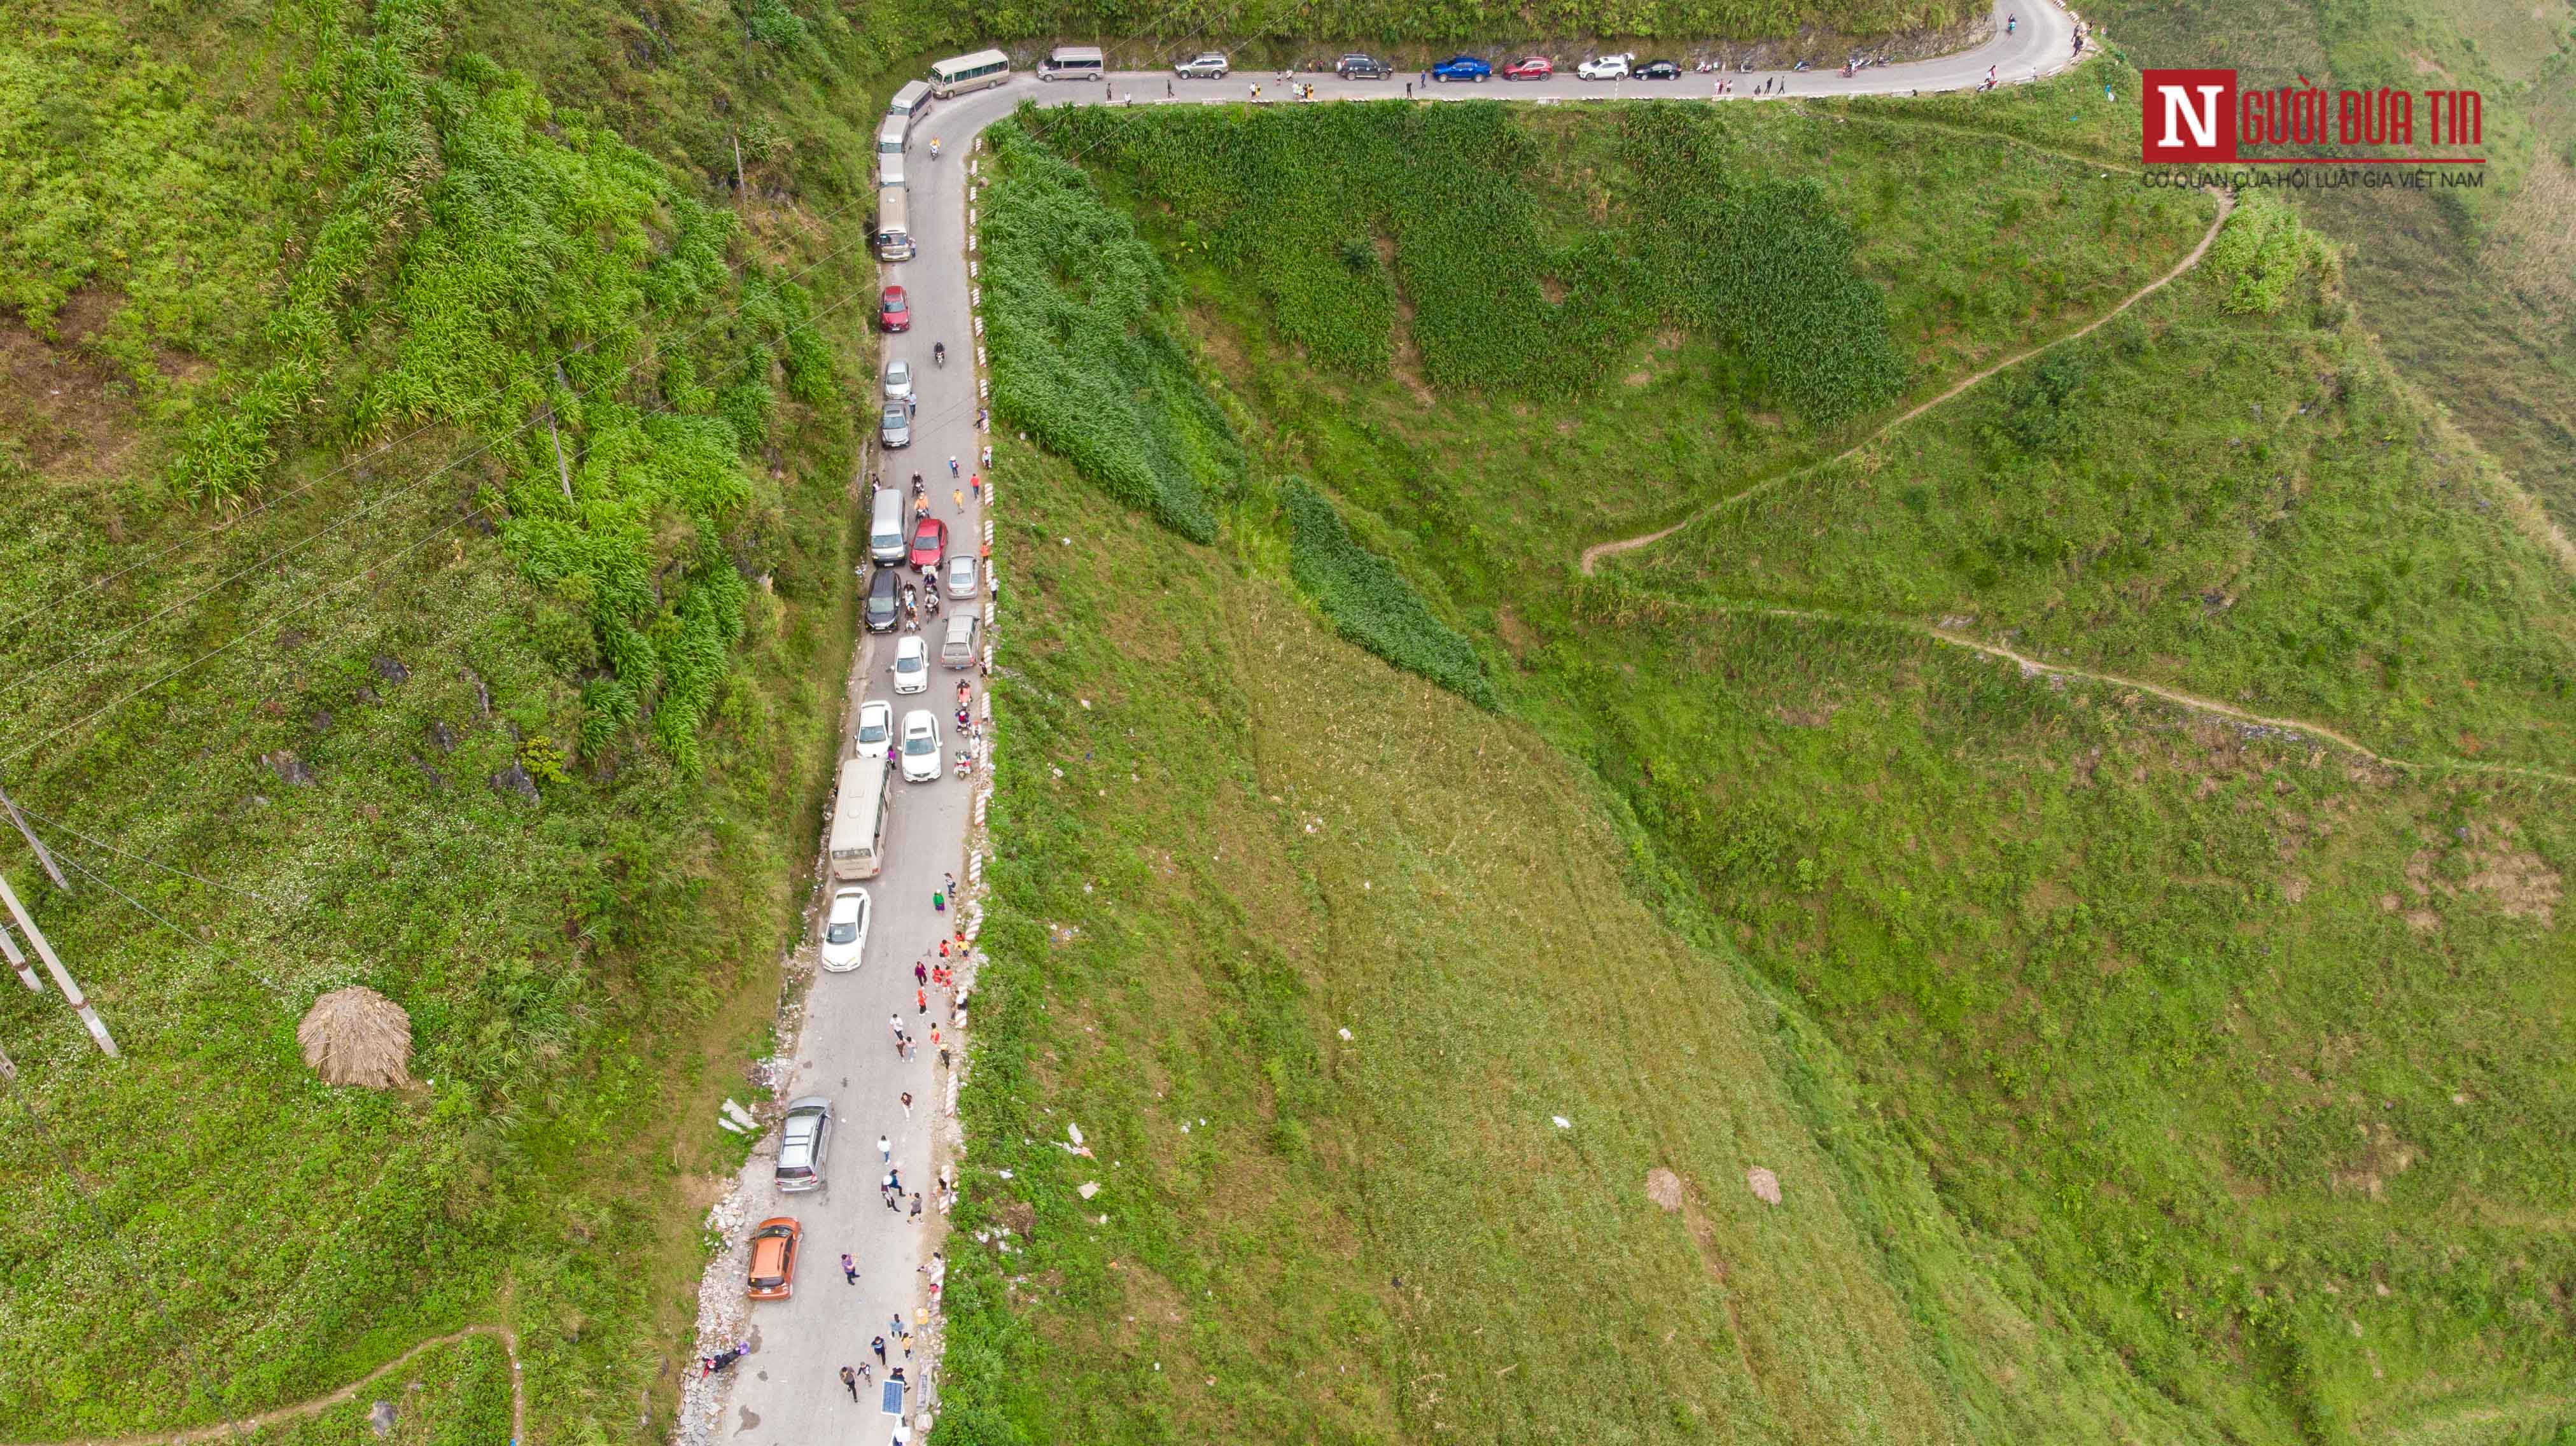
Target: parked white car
{"type": "Point", "coordinates": [920, 746]}
{"type": "Point", "coordinates": [845, 930]}
{"type": "Point", "coordinates": [964, 572]}
{"type": "Point", "coordinates": [911, 664]}
{"type": "Point", "coordinates": [898, 380]}
{"type": "Point", "coordinates": [1605, 67]}
{"type": "Point", "coordinates": [876, 728]}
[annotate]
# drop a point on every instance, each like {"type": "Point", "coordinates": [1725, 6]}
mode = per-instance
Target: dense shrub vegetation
{"type": "Point", "coordinates": [481, 671]}
{"type": "Point", "coordinates": [1082, 356]}
{"type": "Point", "coordinates": [1348, 217]}
{"type": "Point", "coordinates": [2262, 252]}
{"type": "Point", "coordinates": [1370, 602]}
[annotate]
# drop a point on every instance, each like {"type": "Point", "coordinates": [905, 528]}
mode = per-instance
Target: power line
{"type": "Point", "coordinates": [155, 863]}
{"type": "Point", "coordinates": [247, 633]}
{"type": "Point", "coordinates": [267, 502]}
{"type": "Point", "coordinates": [275, 988]}
{"type": "Point", "coordinates": [237, 641]}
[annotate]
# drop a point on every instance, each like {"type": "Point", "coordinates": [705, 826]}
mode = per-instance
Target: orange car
{"type": "Point", "coordinates": [773, 1258]}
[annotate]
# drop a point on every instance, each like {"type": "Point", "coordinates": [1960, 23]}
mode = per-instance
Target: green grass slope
{"type": "Point", "coordinates": [423, 563]}
{"type": "Point", "coordinates": [1226, 838]}
{"type": "Point", "coordinates": [2472, 293]}
{"type": "Point", "coordinates": [2221, 1059]}
{"type": "Point", "coordinates": [2314, 546]}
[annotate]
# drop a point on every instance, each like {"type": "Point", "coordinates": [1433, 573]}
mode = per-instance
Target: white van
{"type": "Point", "coordinates": [1074, 62]}
{"type": "Point", "coordinates": [859, 819]}
{"type": "Point", "coordinates": [889, 169]}
{"type": "Point", "coordinates": [912, 102]}
{"type": "Point", "coordinates": [894, 224]}
{"type": "Point", "coordinates": [887, 540]}
{"type": "Point", "coordinates": [893, 135]}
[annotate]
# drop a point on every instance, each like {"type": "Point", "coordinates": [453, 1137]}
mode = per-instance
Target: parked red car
{"type": "Point", "coordinates": [929, 542]}
{"type": "Point", "coordinates": [894, 313]}
{"type": "Point", "coordinates": [1537, 67]}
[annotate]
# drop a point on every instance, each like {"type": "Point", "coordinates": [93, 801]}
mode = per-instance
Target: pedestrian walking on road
{"type": "Point", "coordinates": [952, 466]}
{"type": "Point", "coordinates": [878, 1345]}
{"type": "Point", "coordinates": [975, 481]}
{"type": "Point", "coordinates": [988, 454]}
{"type": "Point", "coordinates": [920, 972]}
{"type": "Point", "coordinates": [850, 1378]}
{"type": "Point", "coordinates": [939, 901]}
{"type": "Point", "coordinates": [1167, 90]}
{"type": "Point", "coordinates": [849, 1268]}
{"type": "Point", "coordinates": [943, 1056]}
{"type": "Point", "coordinates": [916, 1207]}
{"type": "Point", "coordinates": [957, 498]}
{"type": "Point", "coordinates": [907, 1104]}
{"type": "Point", "coordinates": [897, 1021]}
{"type": "Point", "coordinates": [951, 878]}
{"type": "Point", "coordinates": [921, 1001]}
{"type": "Point", "coordinates": [885, 1156]}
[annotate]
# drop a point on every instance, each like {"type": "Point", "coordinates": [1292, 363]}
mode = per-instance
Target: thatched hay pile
{"type": "Point", "coordinates": [355, 1036]}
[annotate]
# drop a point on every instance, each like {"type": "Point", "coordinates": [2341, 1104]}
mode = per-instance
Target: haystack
{"type": "Point", "coordinates": [355, 1036]}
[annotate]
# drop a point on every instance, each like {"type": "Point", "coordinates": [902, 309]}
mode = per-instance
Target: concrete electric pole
{"type": "Point", "coordinates": [62, 977]}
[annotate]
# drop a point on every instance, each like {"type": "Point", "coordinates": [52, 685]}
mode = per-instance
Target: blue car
{"type": "Point", "coordinates": [1462, 67]}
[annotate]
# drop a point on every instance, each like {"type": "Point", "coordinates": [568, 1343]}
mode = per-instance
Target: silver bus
{"type": "Point", "coordinates": [910, 101]}
{"type": "Point", "coordinates": [894, 224]}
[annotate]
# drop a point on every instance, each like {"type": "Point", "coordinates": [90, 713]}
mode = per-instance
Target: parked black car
{"type": "Point", "coordinates": [1657, 70]}
{"type": "Point", "coordinates": [1363, 67]}
{"type": "Point", "coordinates": [885, 600]}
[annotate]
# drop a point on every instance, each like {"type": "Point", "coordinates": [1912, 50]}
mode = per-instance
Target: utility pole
{"type": "Point", "coordinates": [62, 977]}
{"type": "Point", "coordinates": [44, 856]}
{"type": "Point", "coordinates": [18, 961]}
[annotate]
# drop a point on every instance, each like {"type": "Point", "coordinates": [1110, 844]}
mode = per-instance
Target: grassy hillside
{"type": "Point", "coordinates": [1226, 839]}
{"type": "Point", "coordinates": [2471, 293]}
{"type": "Point", "coordinates": [2318, 548]}
{"type": "Point", "coordinates": [2216, 1059]}
{"type": "Point", "coordinates": [425, 532]}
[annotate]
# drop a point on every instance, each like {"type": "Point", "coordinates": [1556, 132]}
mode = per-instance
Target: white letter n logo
{"type": "Point", "coordinates": [2180, 112]}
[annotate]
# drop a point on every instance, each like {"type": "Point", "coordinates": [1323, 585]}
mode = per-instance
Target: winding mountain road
{"type": "Point", "coordinates": [788, 1391]}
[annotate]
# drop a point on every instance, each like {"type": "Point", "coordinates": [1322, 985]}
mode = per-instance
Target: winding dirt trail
{"type": "Point", "coordinates": [241, 1425]}
{"type": "Point", "coordinates": [2034, 667]}
{"type": "Point", "coordinates": [2226, 203]}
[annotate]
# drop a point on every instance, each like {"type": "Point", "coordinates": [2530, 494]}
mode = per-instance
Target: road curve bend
{"type": "Point", "coordinates": [788, 1392]}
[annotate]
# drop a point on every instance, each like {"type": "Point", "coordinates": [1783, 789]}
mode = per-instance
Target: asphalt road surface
{"type": "Point", "coordinates": [788, 1392]}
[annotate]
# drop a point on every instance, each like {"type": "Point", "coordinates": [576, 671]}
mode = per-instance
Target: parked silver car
{"type": "Point", "coordinates": [964, 573]}
{"type": "Point", "coordinates": [898, 380]}
{"type": "Point", "coordinates": [896, 429]}
{"type": "Point", "coordinates": [1206, 65]}
{"type": "Point", "coordinates": [804, 1140]}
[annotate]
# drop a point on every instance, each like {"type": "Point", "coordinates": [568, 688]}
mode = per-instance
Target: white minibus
{"type": "Point", "coordinates": [960, 74]}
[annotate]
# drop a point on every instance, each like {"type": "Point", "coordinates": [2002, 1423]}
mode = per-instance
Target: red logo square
{"type": "Point", "coordinates": [2190, 116]}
